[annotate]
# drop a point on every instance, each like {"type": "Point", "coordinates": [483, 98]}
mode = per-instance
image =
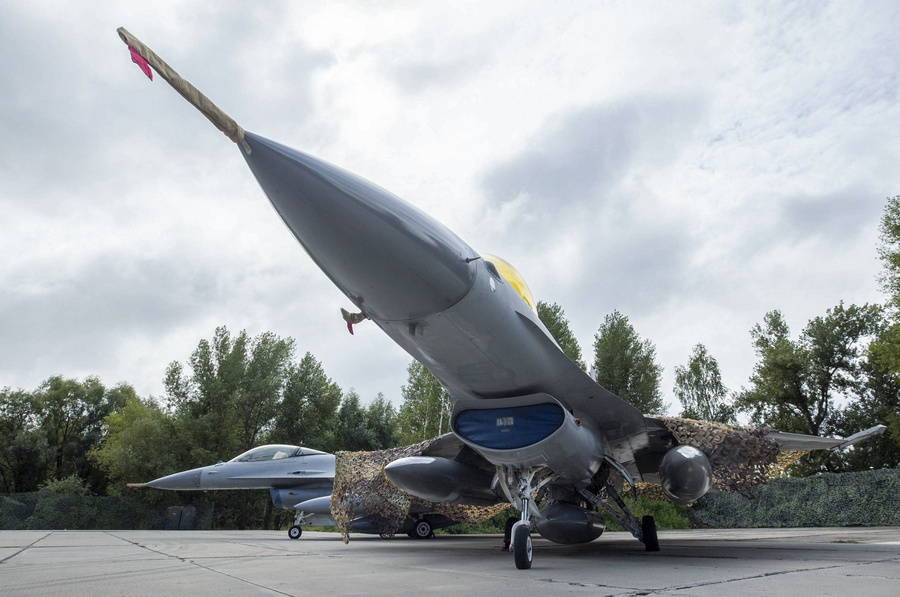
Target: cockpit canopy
{"type": "Point", "coordinates": [273, 452]}
{"type": "Point", "coordinates": [500, 267]}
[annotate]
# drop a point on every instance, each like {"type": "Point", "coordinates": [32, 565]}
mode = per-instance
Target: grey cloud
{"type": "Point", "coordinates": [581, 155]}
{"type": "Point", "coordinates": [417, 76]}
{"type": "Point", "coordinates": [69, 123]}
{"type": "Point", "coordinates": [770, 223]}
{"type": "Point", "coordinates": [131, 292]}
{"type": "Point", "coordinates": [835, 217]}
{"type": "Point", "coordinates": [645, 267]}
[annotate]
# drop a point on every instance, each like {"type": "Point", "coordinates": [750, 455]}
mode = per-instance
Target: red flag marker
{"type": "Point", "coordinates": [139, 60]}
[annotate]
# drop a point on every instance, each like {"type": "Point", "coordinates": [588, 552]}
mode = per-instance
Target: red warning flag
{"type": "Point", "coordinates": [139, 60]}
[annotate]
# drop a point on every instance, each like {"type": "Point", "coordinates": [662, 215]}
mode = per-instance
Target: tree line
{"type": "Point", "coordinates": [839, 375]}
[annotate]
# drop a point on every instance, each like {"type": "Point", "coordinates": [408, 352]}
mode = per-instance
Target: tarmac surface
{"type": "Point", "coordinates": [855, 562]}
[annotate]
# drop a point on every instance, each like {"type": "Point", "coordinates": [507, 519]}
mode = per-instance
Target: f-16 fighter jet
{"type": "Point", "coordinates": [300, 480]}
{"type": "Point", "coordinates": [556, 445]}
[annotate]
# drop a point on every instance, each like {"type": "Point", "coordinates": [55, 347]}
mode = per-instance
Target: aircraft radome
{"type": "Point", "coordinates": [526, 413]}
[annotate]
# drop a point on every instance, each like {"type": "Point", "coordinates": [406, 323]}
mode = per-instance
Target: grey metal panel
{"type": "Point", "coordinates": [491, 345]}
{"type": "Point", "coordinates": [391, 259]}
{"type": "Point", "coordinates": [798, 441]}
{"type": "Point", "coordinates": [411, 276]}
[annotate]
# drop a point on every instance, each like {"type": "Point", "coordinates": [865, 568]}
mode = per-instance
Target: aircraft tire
{"type": "Point", "coordinates": [295, 532]}
{"type": "Point", "coordinates": [522, 551]}
{"type": "Point", "coordinates": [423, 529]}
{"type": "Point", "coordinates": [648, 530]}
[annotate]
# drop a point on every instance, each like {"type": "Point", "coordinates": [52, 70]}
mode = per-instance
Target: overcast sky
{"type": "Point", "coordinates": [692, 165]}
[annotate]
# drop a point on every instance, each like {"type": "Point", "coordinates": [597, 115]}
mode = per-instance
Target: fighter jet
{"type": "Point", "coordinates": [555, 444]}
{"type": "Point", "coordinates": [300, 480]}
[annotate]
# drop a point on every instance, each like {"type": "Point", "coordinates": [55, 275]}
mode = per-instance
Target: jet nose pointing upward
{"type": "Point", "coordinates": [392, 260]}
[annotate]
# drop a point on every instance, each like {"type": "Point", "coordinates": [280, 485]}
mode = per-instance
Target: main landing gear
{"type": "Point", "coordinates": [423, 530]}
{"type": "Point", "coordinates": [523, 487]}
{"type": "Point", "coordinates": [606, 498]}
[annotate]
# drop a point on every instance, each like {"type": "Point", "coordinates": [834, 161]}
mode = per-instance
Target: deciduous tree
{"type": "Point", "coordinates": [425, 410]}
{"type": "Point", "coordinates": [554, 318]}
{"type": "Point", "coordinates": [626, 365]}
{"type": "Point", "coordinates": [308, 411]}
{"type": "Point", "coordinates": [699, 388]}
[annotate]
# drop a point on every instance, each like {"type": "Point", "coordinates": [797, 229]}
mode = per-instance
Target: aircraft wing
{"type": "Point", "coordinates": [798, 441]}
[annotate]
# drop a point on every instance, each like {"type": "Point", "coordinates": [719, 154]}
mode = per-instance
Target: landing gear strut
{"type": "Point", "coordinates": [520, 487]}
{"type": "Point", "coordinates": [644, 530]}
{"type": "Point", "coordinates": [296, 531]}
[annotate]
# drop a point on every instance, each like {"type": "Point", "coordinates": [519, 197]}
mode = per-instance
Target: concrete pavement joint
{"type": "Point", "coordinates": [7, 558]}
{"type": "Point", "coordinates": [193, 562]}
{"type": "Point", "coordinates": [766, 575]}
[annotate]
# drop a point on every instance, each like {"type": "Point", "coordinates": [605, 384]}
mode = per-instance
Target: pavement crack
{"type": "Point", "coordinates": [194, 562]}
{"type": "Point", "coordinates": [9, 557]}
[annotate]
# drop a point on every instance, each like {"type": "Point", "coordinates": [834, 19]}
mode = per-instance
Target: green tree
{"type": "Point", "coordinates": [140, 445]}
{"type": "Point", "coordinates": [381, 422]}
{"type": "Point", "coordinates": [426, 407]}
{"type": "Point", "coordinates": [264, 377]}
{"type": "Point", "coordinates": [889, 250]}
{"type": "Point", "coordinates": [308, 411]}
{"type": "Point", "coordinates": [879, 402]}
{"type": "Point", "coordinates": [795, 383]}
{"type": "Point", "coordinates": [365, 428]}
{"type": "Point", "coordinates": [24, 453]}
{"type": "Point", "coordinates": [554, 318]}
{"type": "Point", "coordinates": [232, 394]}
{"type": "Point", "coordinates": [699, 388]}
{"type": "Point", "coordinates": [626, 365]}
{"type": "Point", "coordinates": [71, 416]}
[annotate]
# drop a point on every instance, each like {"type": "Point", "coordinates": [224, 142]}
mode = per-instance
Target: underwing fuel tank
{"type": "Point", "coordinates": [442, 480]}
{"type": "Point", "coordinates": [530, 431]}
{"type": "Point", "coordinates": [392, 260]}
{"type": "Point", "coordinates": [685, 474]}
{"type": "Point", "coordinates": [568, 524]}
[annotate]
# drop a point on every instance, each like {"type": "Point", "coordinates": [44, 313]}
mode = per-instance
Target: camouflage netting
{"type": "Point", "coordinates": [361, 485]}
{"type": "Point", "coordinates": [866, 498]}
{"type": "Point", "coordinates": [741, 457]}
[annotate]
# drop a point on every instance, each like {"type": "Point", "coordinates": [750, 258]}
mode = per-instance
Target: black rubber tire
{"type": "Point", "coordinates": [295, 532]}
{"type": "Point", "coordinates": [423, 529]}
{"type": "Point", "coordinates": [648, 530]}
{"type": "Point", "coordinates": [522, 547]}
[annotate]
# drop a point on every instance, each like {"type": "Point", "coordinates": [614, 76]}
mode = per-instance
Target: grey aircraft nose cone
{"type": "Point", "coordinates": [392, 260]}
{"type": "Point", "coordinates": [183, 481]}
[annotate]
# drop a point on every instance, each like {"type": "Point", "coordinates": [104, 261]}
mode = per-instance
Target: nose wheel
{"type": "Point", "coordinates": [521, 486]}
{"type": "Point", "coordinates": [522, 551]}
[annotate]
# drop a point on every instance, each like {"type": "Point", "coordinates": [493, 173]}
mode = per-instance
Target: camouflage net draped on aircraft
{"type": "Point", "coordinates": [360, 486]}
{"type": "Point", "coordinates": [741, 457]}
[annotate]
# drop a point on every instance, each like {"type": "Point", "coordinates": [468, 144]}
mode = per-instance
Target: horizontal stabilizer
{"type": "Point", "coordinates": [798, 441]}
